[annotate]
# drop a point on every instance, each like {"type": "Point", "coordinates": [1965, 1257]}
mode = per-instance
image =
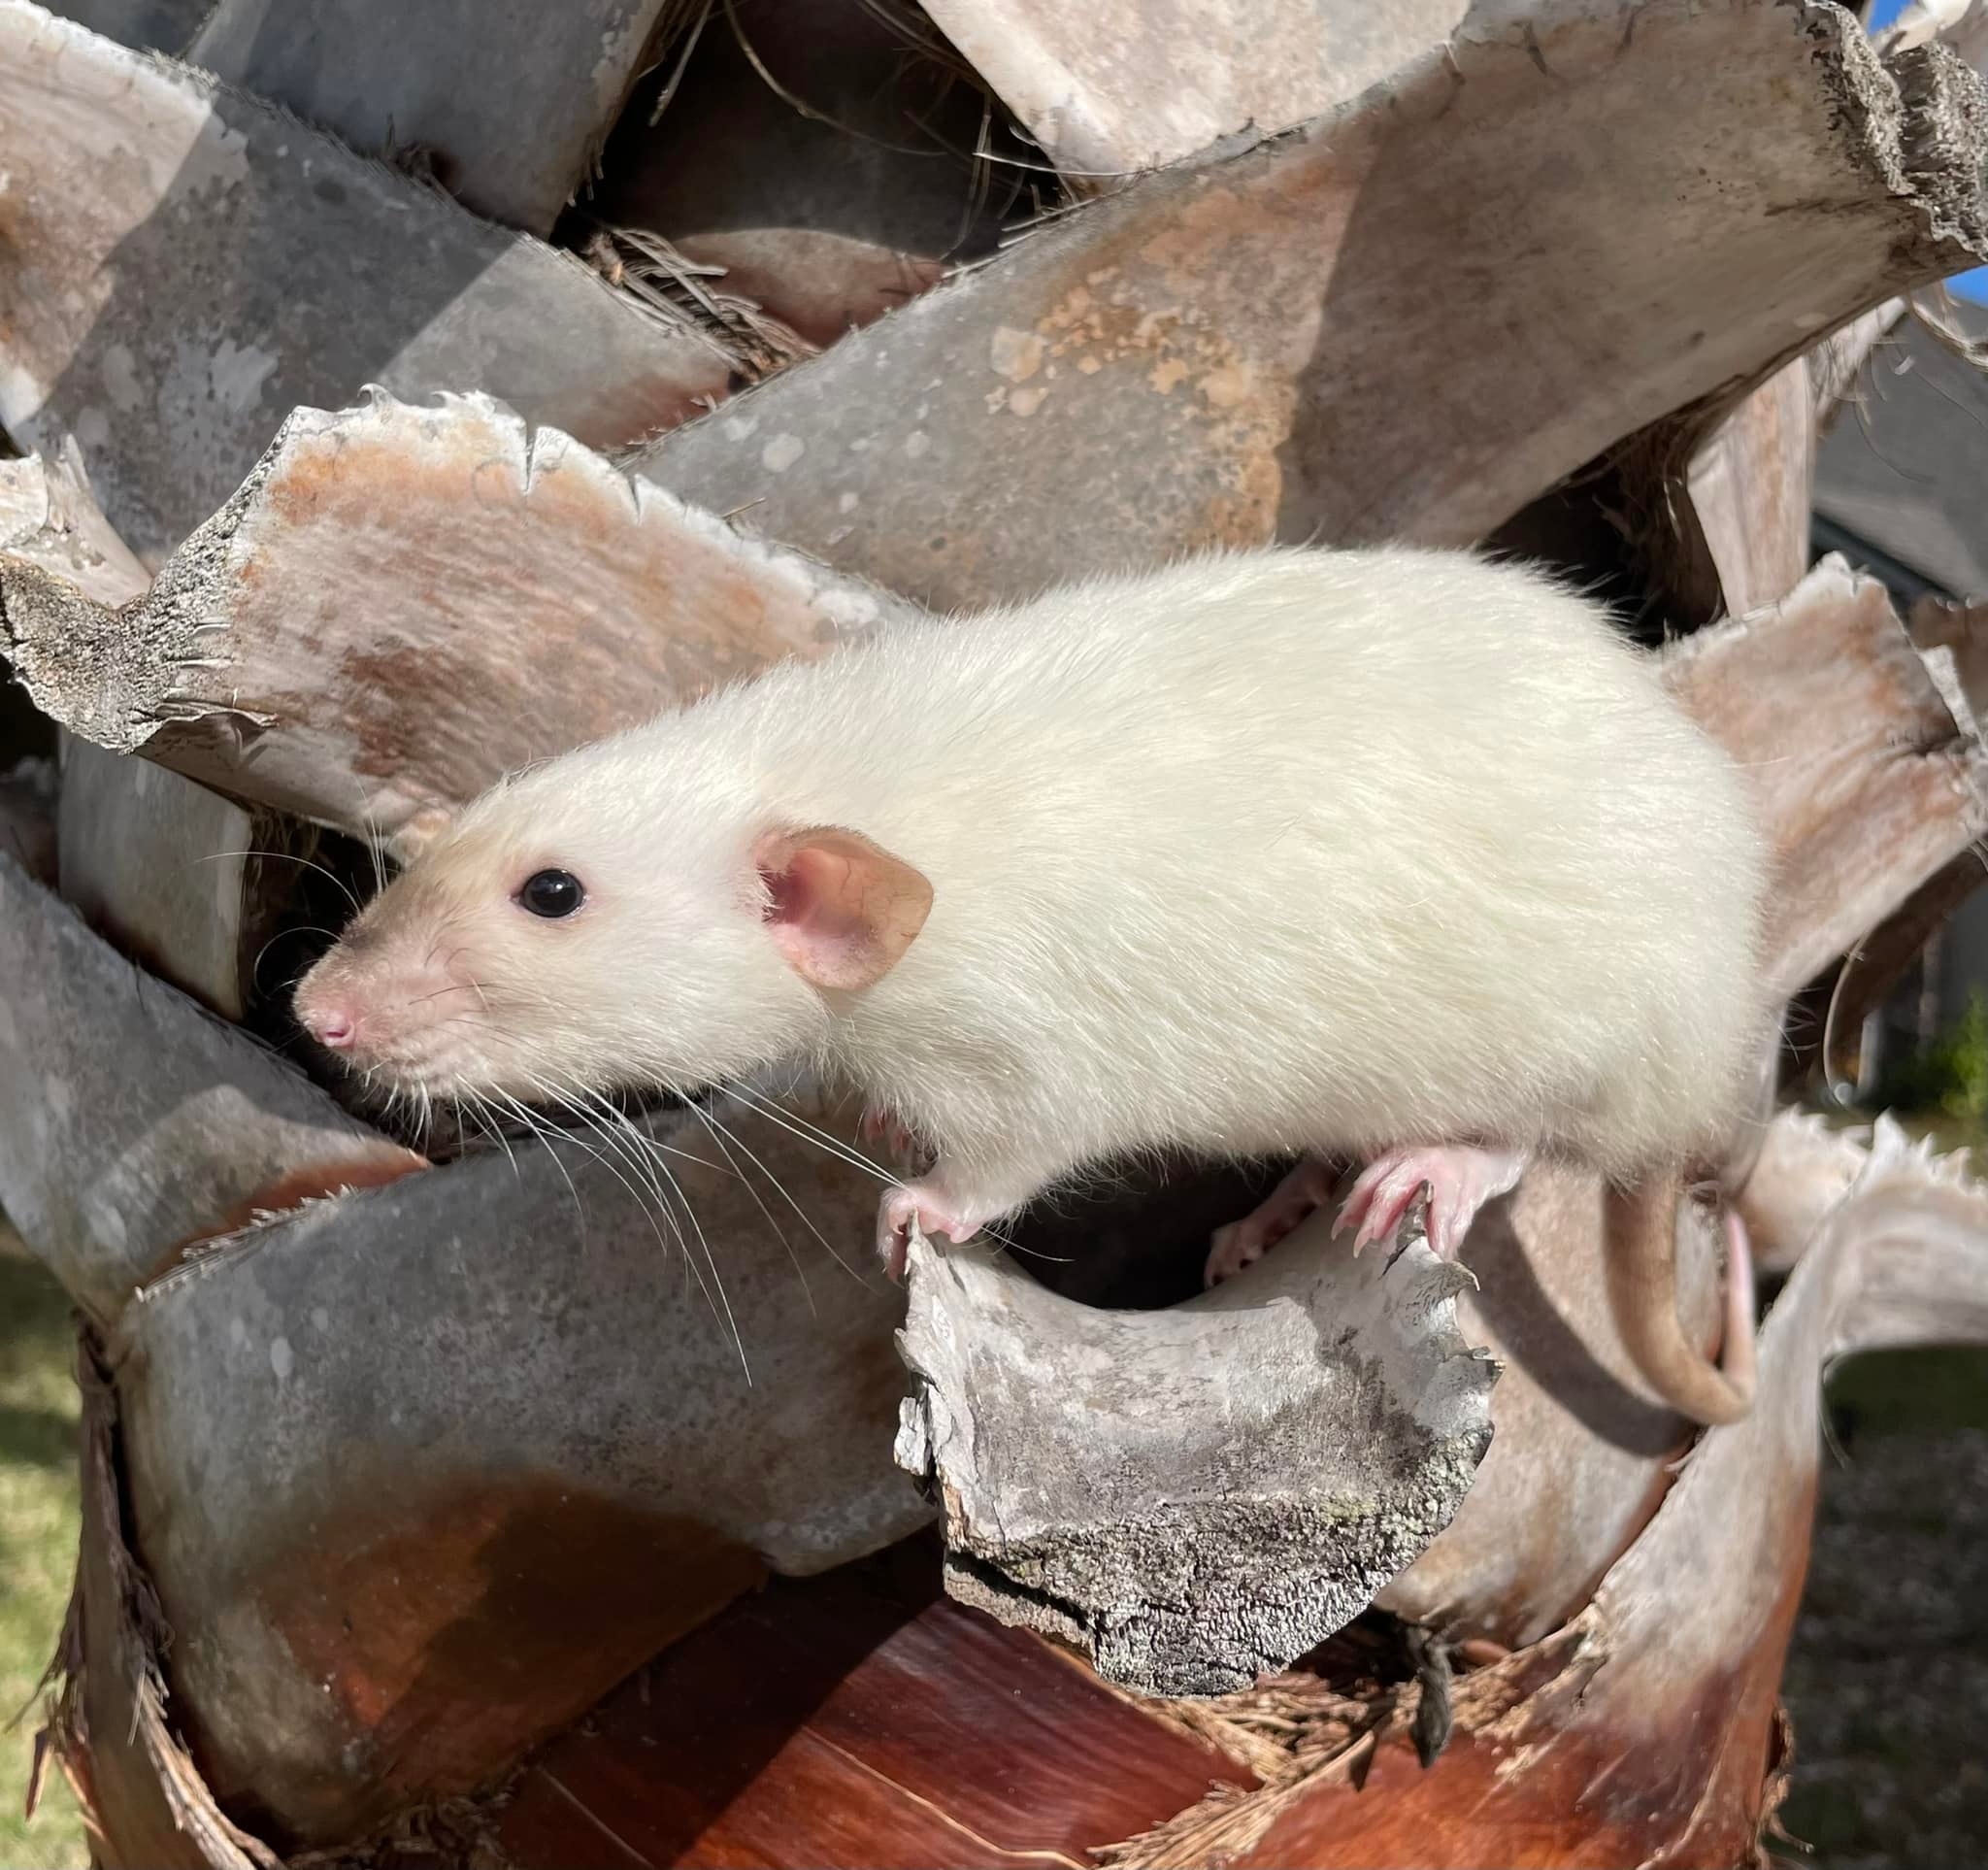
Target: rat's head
{"type": "Point", "coordinates": [573, 931]}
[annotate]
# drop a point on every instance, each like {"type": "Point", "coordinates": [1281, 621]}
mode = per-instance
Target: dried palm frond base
{"type": "Point", "coordinates": [862, 1717]}
{"type": "Point", "coordinates": [829, 1721]}
{"type": "Point", "coordinates": [142, 1797]}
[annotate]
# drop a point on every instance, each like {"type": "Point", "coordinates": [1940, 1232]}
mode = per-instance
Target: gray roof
{"type": "Point", "coordinates": [1903, 468]}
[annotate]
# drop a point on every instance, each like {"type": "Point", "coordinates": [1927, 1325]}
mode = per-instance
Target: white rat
{"type": "Point", "coordinates": [1398, 854]}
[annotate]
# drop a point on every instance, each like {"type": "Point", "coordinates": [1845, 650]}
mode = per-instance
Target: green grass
{"type": "Point", "coordinates": [39, 1523]}
{"type": "Point", "coordinates": [1948, 1077]}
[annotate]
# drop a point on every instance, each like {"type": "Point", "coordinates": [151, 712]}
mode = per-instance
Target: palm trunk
{"type": "Point", "coordinates": [432, 1509]}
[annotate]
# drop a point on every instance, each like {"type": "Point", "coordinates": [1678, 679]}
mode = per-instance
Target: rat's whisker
{"type": "Point", "coordinates": [642, 1205]}
{"type": "Point", "coordinates": [809, 1133]}
{"type": "Point", "coordinates": [725, 1130]}
{"type": "Point", "coordinates": [644, 1173]}
{"type": "Point", "coordinates": [255, 966]}
{"type": "Point", "coordinates": [787, 1244]}
{"type": "Point", "coordinates": [289, 857]}
{"type": "Point", "coordinates": [689, 1214]}
{"type": "Point", "coordinates": [503, 1141]}
{"type": "Point", "coordinates": [420, 999]}
{"type": "Point", "coordinates": [543, 1134]}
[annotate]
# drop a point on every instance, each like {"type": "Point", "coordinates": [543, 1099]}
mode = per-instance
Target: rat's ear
{"type": "Point", "coordinates": [418, 832]}
{"type": "Point", "coordinates": [841, 909]}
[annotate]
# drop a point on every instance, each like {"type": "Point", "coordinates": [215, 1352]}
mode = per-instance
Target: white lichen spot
{"type": "Point", "coordinates": [238, 1331]}
{"type": "Point", "coordinates": [120, 372]}
{"type": "Point", "coordinates": [619, 47]}
{"type": "Point", "coordinates": [61, 1099]}
{"type": "Point", "coordinates": [321, 1317]}
{"type": "Point", "coordinates": [107, 1223]}
{"type": "Point", "coordinates": [1090, 365]}
{"type": "Point", "coordinates": [282, 1358]}
{"type": "Point", "coordinates": [740, 428]}
{"type": "Point", "coordinates": [19, 386]}
{"type": "Point", "coordinates": [1167, 375]}
{"type": "Point", "coordinates": [93, 427]}
{"type": "Point", "coordinates": [916, 444]}
{"type": "Point", "coordinates": [238, 373]}
{"type": "Point", "coordinates": [207, 385]}
{"type": "Point", "coordinates": [781, 452]}
{"type": "Point", "coordinates": [220, 156]}
{"type": "Point", "coordinates": [848, 502]}
{"type": "Point", "coordinates": [1025, 402]}
{"type": "Point", "coordinates": [1015, 354]}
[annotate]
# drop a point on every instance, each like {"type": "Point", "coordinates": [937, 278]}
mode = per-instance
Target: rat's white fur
{"type": "Point", "coordinates": [1280, 850]}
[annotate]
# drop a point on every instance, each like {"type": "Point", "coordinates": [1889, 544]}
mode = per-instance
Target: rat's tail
{"type": "Point", "coordinates": [1639, 1241]}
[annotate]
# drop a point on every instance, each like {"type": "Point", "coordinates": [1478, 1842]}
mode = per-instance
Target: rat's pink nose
{"type": "Point", "coordinates": [331, 1026]}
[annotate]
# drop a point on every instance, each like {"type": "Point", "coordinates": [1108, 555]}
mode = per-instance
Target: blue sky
{"type": "Point", "coordinates": [1975, 284]}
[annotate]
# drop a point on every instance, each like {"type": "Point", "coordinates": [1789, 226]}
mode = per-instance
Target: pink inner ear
{"type": "Point", "coordinates": [840, 910]}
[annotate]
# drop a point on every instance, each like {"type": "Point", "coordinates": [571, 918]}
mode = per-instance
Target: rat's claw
{"type": "Point", "coordinates": [900, 1208]}
{"type": "Point", "coordinates": [900, 1145]}
{"type": "Point", "coordinates": [1380, 1201]}
{"type": "Point", "coordinates": [1242, 1243]}
{"type": "Point", "coordinates": [1460, 1180]}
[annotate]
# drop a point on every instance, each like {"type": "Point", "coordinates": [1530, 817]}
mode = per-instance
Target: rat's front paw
{"type": "Point", "coordinates": [933, 1216]}
{"type": "Point", "coordinates": [908, 1151]}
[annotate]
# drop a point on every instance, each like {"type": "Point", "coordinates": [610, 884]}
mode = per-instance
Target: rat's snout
{"type": "Point", "coordinates": [330, 1024]}
{"type": "Point", "coordinates": [328, 1015]}
{"type": "Point", "coordinates": [399, 1006]}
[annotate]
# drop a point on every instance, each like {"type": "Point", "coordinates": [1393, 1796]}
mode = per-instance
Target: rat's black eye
{"type": "Point", "coordinates": [551, 893]}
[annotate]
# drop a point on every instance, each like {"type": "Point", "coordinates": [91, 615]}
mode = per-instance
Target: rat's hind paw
{"type": "Point", "coordinates": [1242, 1243]}
{"type": "Point", "coordinates": [1460, 1180]}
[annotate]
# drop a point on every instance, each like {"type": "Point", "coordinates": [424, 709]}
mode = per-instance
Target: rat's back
{"type": "Point", "coordinates": [1271, 845]}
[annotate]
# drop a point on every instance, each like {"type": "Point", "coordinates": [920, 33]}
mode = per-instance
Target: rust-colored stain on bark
{"type": "Point", "coordinates": [453, 1631]}
{"type": "Point", "coordinates": [857, 1719]}
{"type": "Point", "coordinates": [1620, 1764]}
{"type": "Point", "coordinates": [826, 1721]}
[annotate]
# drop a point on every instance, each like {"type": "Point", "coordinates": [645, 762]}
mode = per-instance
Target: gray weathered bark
{"type": "Point", "coordinates": [404, 603]}
{"type": "Point", "coordinates": [507, 105]}
{"type": "Point", "coordinates": [1195, 1496]}
{"type": "Point", "coordinates": [1099, 84]}
{"type": "Point", "coordinates": [1239, 350]}
{"type": "Point", "coordinates": [185, 264]}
